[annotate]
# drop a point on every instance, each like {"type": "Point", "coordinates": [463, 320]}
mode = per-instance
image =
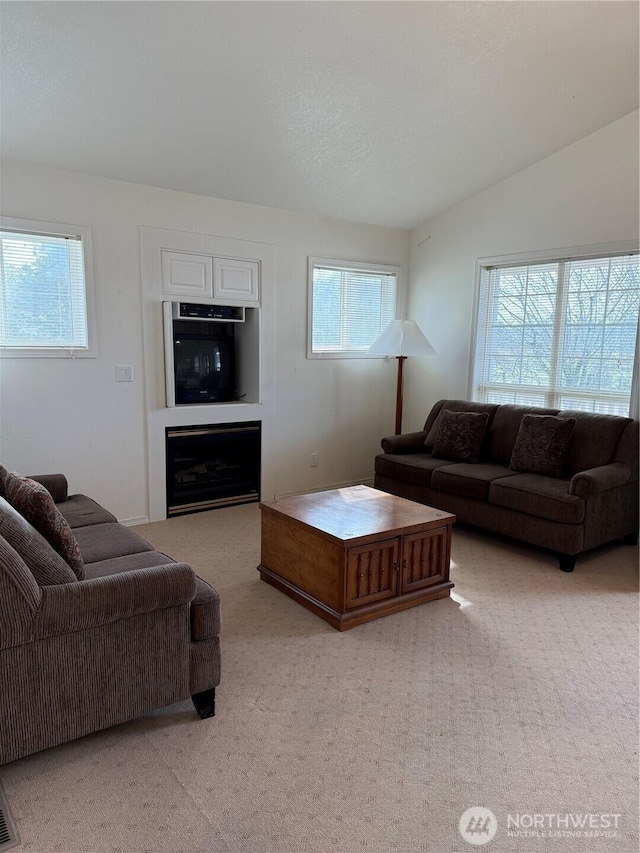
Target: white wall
{"type": "Point", "coordinates": [585, 194]}
{"type": "Point", "coordinates": [71, 415]}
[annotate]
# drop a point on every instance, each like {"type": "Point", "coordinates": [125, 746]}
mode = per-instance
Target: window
{"type": "Point", "coordinates": [560, 333]}
{"type": "Point", "coordinates": [44, 289]}
{"type": "Point", "coordinates": [349, 305]}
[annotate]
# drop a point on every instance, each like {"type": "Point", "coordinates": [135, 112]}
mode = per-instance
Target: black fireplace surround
{"type": "Point", "coordinates": [212, 465]}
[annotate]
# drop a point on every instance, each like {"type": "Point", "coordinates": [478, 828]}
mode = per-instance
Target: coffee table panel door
{"type": "Point", "coordinates": [372, 573]}
{"type": "Point", "coordinates": [425, 560]}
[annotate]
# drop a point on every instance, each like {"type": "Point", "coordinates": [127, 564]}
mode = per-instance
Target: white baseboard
{"type": "Point", "coordinates": [364, 482]}
{"type": "Point", "coordinates": [131, 522]}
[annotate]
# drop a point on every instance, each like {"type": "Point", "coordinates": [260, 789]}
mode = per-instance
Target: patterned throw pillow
{"type": "Point", "coordinates": [542, 445]}
{"type": "Point", "coordinates": [460, 436]}
{"type": "Point", "coordinates": [34, 503]}
{"type": "Point", "coordinates": [45, 565]}
{"type": "Point", "coordinates": [3, 479]}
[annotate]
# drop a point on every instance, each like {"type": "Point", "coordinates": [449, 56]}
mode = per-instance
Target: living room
{"type": "Point", "coordinates": [576, 187]}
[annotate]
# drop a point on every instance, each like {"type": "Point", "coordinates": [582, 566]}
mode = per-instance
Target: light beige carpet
{"type": "Point", "coordinates": [519, 694]}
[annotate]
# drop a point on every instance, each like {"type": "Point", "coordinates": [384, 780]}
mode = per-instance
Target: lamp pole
{"type": "Point", "coordinates": [401, 361]}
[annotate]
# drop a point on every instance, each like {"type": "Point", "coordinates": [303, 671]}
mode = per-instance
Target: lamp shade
{"type": "Point", "coordinates": [401, 337]}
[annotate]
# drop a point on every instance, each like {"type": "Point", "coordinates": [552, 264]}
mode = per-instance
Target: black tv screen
{"type": "Point", "coordinates": [204, 364]}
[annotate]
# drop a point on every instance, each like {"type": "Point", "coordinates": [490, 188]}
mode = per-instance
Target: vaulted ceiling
{"type": "Point", "coordinates": [378, 112]}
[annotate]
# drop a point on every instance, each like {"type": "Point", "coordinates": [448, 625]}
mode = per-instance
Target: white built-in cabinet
{"type": "Point", "coordinates": [235, 279]}
{"type": "Point", "coordinates": [228, 280]}
{"type": "Point", "coordinates": [187, 275]}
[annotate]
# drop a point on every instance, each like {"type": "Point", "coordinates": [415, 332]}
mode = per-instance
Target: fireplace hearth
{"type": "Point", "coordinates": [214, 465]}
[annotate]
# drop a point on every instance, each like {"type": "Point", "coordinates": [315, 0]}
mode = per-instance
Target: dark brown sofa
{"type": "Point", "coordinates": [595, 503]}
{"type": "Point", "coordinates": [139, 632]}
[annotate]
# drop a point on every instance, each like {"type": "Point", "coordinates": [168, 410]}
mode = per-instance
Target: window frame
{"type": "Point", "coordinates": [573, 253]}
{"type": "Point", "coordinates": [57, 229]}
{"type": "Point", "coordinates": [349, 266]}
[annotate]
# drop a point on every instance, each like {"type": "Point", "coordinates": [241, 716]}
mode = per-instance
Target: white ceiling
{"type": "Point", "coordinates": [377, 112]}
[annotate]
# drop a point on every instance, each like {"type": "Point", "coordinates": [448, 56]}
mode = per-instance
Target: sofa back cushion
{"type": "Point", "coordinates": [46, 566]}
{"type": "Point", "coordinates": [34, 502]}
{"type": "Point", "coordinates": [595, 439]}
{"type": "Point", "coordinates": [432, 424]}
{"type": "Point", "coordinates": [629, 446]}
{"type": "Point", "coordinates": [504, 429]}
{"type": "Point", "coordinates": [19, 594]}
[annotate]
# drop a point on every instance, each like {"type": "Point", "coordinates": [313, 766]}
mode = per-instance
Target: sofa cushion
{"type": "Point", "coordinates": [454, 406]}
{"type": "Point", "coordinates": [472, 480]}
{"type": "Point", "coordinates": [504, 429]}
{"type": "Point", "coordinates": [542, 445]}
{"type": "Point", "coordinates": [595, 439]}
{"type": "Point", "coordinates": [16, 575]}
{"type": "Point", "coordinates": [45, 564]}
{"type": "Point", "coordinates": [546, 497]}
{"type": "Point", "coordinates": [33, 502]}
{"type": "Point", "coordinates": [80, 511]}
{"type": "Point", "coordinates": [106, 541]}
{"type": "Point", "coordinates": [20, 597]}
{"type": "Point", "coordinates": [412, 468]}
{"type": "Point", "coordinates": [127, 563]}
{"type": "Point", "coordinates": [460, 436]}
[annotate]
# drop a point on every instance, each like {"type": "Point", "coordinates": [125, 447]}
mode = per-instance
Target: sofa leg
{"type": "Point", "coordinates": [567, 562]}
{"type": "Point", "coordinates": [631, 538]}
{"type": "Point", "coordinates": [205, 703]}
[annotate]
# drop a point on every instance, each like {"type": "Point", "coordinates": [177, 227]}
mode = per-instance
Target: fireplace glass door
{"type": "Point", "coordinates": [212, 466]}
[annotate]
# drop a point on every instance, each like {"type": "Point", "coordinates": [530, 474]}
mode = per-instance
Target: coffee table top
{"type": "Point", "coordinates": [358, 512]}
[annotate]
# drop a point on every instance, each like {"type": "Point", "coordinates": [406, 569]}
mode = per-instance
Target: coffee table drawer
{"type": "Point", "coordinates": [372, 573]}
{"type": "Point", "coordinates": [425, 560]}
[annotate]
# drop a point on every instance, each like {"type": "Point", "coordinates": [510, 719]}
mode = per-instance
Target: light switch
{"type": "Point", "coordinates": [124, 373]}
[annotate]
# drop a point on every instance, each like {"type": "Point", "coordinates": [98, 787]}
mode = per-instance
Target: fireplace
{"type": "Point", "coordinates": [212, 466]}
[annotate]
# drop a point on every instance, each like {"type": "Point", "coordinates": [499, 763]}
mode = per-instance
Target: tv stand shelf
{"type": "Point", "coordinates": [211, 354]}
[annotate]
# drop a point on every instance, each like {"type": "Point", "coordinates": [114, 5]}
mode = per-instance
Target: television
{"type": "Point", "coordinates": [204, 361]}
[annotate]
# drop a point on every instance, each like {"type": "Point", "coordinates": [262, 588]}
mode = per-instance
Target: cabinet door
{"type": "Point", "coordinates": [372, 573]}
{"type": "Point", "coordinates": [236, 279]}
{"type": "Point", "coordinates": [187, 275]}
{"type": "Point", "coordinates": [425, 560]}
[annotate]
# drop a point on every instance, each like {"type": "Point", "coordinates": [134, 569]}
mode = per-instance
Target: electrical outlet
{"type": "Point", "coordinates": [313, 460]}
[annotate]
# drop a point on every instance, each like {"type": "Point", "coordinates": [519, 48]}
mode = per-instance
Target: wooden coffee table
{"type": "Point", "coordinates": [351, 555]}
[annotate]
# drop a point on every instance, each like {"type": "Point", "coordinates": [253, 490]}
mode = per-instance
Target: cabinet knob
{"type": "Point", "coordinates": [396, 566]}
{"type": "Point", "coordinates": [404, 564]}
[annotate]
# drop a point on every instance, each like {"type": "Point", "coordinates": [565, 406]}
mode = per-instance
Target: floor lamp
{"type": "Point", "coordinates": [401, 338]}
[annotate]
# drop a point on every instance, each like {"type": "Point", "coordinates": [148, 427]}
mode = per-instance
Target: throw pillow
{"type": "Point", "coordinates": [45, 565]}
{"type": "Point", "coordinates": [35, 503]}
{"type": "Point", "coordinates": [460, 436]}
{"type": "Point", "coordinates": [3, 479]}
{"type": "Point", "coordinates": [542, 445]}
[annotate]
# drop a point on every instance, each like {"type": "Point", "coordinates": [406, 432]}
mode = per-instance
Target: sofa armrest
{"type": "Point", "coordinates": [600, 479]}
{"type": "Point", "coordinates": [409, 442]}
{"type": "Point", "coordinates": [55, 484]}
{"type": "Point", "coordinates": [88, 603]}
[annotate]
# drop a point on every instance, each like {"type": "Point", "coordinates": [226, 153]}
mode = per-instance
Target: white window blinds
{"type": "Point", "coordinates": [42, 291]}
{"type": "Point", "coordinates": [349, 307]}
{"type": "Point", "coordinates": [559, 334]}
